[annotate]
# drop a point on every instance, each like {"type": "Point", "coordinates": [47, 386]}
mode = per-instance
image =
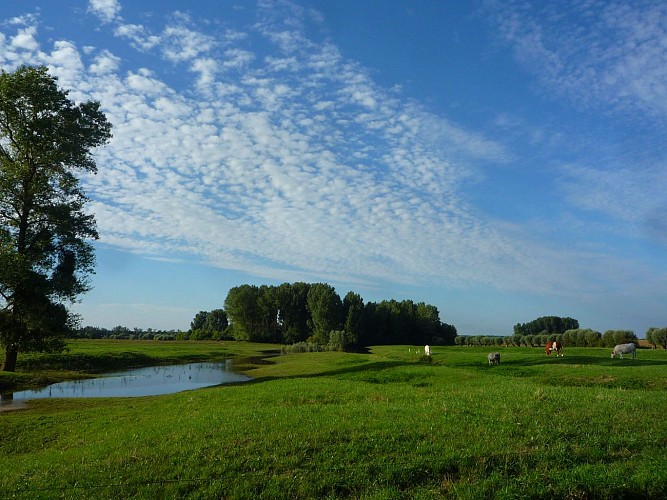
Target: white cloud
{"type": "Point", "coordinates": [105, 63]}
{"type": "Point", "coordinates": [180, 43]}
{"type": "Point", "coordinates": [296, 165]}
{"type": "Point", "coordinates": [139, 37]}
{"type": "Point", "coordinates": [106, 10]}
{"type": "Point", "coordinates": [237, 58]}
{"type": "Point", "coordinates": [25, 39]}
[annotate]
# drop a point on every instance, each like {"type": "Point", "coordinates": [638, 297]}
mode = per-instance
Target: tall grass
{"type": "Point", "coordinates": [378, 425]}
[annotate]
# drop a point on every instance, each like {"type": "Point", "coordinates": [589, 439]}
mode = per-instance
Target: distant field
{"type": "Point", "coordinates": [382, 425]}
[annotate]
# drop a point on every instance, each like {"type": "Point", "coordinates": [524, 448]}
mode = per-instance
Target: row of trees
{"type": "Point", "coordinates": [546, 325]}
{"type": "Point", "coordinates": [298, 312]}
{"type": "Point", "coordinates": [570, 338]}
{"type": "Point", "coordinates": [125, 333]}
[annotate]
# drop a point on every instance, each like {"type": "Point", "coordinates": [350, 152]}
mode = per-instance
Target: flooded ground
{"type": "Point", "coordinates": [151, 381]}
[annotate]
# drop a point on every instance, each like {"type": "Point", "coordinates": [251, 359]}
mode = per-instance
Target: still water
{"type": "Point", "coordinates": [150, 381]}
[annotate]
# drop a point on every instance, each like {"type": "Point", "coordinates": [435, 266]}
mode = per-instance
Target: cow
{"type": "Point", "coordinates": [554, 346]}
{"type": "Point", "coordinates": [494, 358]}
{"type": "Point", "coordinates": [427, 350]}
{"type": "Point", "coordinates": [622, 349]}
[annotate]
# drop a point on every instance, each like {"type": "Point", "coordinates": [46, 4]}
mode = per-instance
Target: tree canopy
{"type": "Point", "coordinates": [298, 312]}
{"type": "Point", "coordinates": [45, 257]}
{"type": "Point", "coordinates": [546, 324]}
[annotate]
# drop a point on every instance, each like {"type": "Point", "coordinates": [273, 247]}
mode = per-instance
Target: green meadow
{"type": "Point", "coordinates": [387, 424]}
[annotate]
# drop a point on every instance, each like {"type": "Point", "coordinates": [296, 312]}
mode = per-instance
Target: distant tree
{"type": "Point", "coordinates": [610, 338]}
{"type": "Point", "coordinates": [354, 309]}
{"type": "Point", "coordinates": [326, 311]}
{"type": "Point", "coordinates": [45, 258]}
{"type": "Point", "coordinates": [592, 337]}
{"type": "Point", "coordinates": [431, 329]}
{"type": "Point", "coordinates": [446, 334]}
{"type": "Point", "coordinates": [293, 312]}
{"type": "Point", "coordinates": [217, 323]}
{"type": "Point", "coordinates": [241, 306]}
{"type": "Point", "coordinates": [268, 307]}
{"type": "Point", "coordinates": [199, 321]}
{"type": "Point", "coordinates": [209, 325]}
{"type": "Point", "coordinates": [546, 324]}
{"type": "Point", "coordinates": [579, 337]}
{"type": "Point", "coordinates": [659, 337]}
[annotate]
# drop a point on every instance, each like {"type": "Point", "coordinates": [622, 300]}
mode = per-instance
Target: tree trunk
{"type": "Point", "coordinates": [11, 354]}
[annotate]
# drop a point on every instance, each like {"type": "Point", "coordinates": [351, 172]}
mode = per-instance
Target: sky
{"type": "Point", "coordinates": [501, 160]}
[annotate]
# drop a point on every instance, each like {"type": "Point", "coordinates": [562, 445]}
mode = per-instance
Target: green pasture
{"type": "Point", "coordinates": [384, 425]}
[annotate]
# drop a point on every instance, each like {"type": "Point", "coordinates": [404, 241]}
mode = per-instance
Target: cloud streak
{"type": "Point", "coordinates": [598, 53]}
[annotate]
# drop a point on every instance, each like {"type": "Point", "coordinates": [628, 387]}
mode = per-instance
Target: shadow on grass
{"type": "Point", "coordinates": [369, 370]}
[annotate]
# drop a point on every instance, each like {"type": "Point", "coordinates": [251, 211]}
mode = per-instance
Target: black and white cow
{"type": "Point", "coordinates": [494, 358]}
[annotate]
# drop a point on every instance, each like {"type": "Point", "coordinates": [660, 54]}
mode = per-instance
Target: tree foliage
{"type": "Point", "coordinates": [298, 312]}
{"type": "Point", "coordinates": [209, 325]}
{"type": "Point", "coordinates": [546, 324]}
{"type": "Point", "coordinates": [581, 337]}
{"type": "Point", "coordinates": [610, 338]}
{"type": "Point", "coordinates": [326, 311]}
{"type": "Point", "coordinates": [657, 337]}
{"type": "Point", "coordinates": [45, 257]}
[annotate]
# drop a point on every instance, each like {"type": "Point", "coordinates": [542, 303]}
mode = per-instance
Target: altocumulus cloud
{"type": "Point", "coordinates": [288, 163]}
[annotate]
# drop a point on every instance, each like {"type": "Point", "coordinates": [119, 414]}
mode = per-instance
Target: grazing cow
{"type": "Point", "coordinates": [554, 346]}
{"type": "Point", "coordinates": [427, 350]}
{"type": "Point", "coordinates": [622, 349]}
{"type": "Point", "coordinates": [494, 358]}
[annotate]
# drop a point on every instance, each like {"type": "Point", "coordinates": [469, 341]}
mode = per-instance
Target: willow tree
{"type": "Point", "coordinates": [45, 254]}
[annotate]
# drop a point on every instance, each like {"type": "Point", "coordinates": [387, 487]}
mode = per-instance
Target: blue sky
{"type": "Point", "coordinates": [499, 160]}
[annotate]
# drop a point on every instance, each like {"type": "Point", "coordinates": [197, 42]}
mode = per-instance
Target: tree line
{"type": "Point", "coordinates": [546, 325]}
{"type": "Point", "coordinates": [125, 333]}
{"type": "Point", "coordinates": [314, 313]}
{"type": "Point", "coordinates": [303, 313]}
{"type": "Point", "coordinates": [577, 337]}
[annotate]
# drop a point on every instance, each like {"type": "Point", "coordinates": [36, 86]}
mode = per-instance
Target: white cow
{"type": "Point", "coordinates": [622, 349]}
{"type": "Point", "coordinates": [427, 350]}
{"type": "Point", "coordinates": [494, 358]}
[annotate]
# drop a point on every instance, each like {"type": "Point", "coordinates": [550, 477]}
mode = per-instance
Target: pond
{"type": "Point", "coordinates": [151, 381]}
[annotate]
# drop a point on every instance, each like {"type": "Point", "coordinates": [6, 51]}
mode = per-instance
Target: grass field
{"type": "Point", "coordinates": [381, 425]}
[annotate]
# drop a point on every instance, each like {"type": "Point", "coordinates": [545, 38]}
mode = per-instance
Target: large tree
{"type": "Point", "coordinates": [45, 258]}
{"type": "Point", "coordinates": [293, 312]}
{"type": "Point", "coordinates": [326, 311]}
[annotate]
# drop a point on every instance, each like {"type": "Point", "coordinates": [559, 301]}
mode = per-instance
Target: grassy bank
{"type": "Point", "coordinates": [379, 425]}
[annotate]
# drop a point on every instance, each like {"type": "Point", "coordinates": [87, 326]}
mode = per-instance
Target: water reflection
{"type": "Point", "coordinates": [152, 381]}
